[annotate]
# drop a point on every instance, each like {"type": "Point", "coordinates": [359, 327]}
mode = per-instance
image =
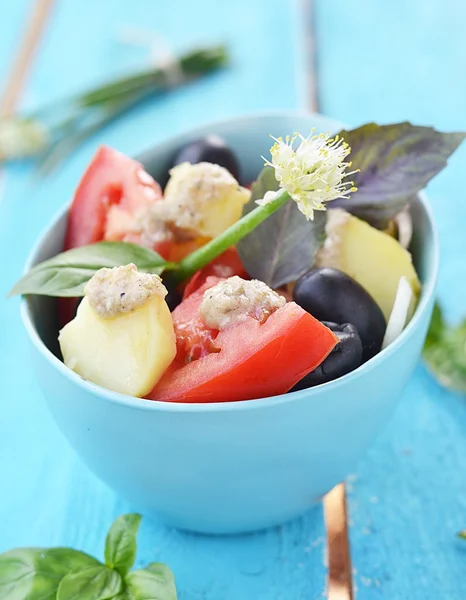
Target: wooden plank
{"type": "Point", "coordinates": [310, 50]}
{"type": "Point", "coordinates": [390, 62]}
{"type": "Point", "coordinates": [339, 573]}
{"type": "Point", "coordinates": [56, 501]}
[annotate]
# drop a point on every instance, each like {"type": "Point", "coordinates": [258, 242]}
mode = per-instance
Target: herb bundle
{"type": "Point", "coordinates": [445, 352]}
{"type": "Point", "coordinates": [54, 131]}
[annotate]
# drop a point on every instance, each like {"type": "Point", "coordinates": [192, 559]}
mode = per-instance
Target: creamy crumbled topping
{"type": "Point", "coordinates": [152, 228]}
{"type": "Point", "coordinates": [190, 190]}
{"type": "Point", "coordinates": [234, 299]}
{"type": "Point", "coordinates": [329, 254]}
{"type": "Point", "coordinates": [119, 290]}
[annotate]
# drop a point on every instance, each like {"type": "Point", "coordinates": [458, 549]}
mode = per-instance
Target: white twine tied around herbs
{"type": "Point", "coordinates": [160, 53]}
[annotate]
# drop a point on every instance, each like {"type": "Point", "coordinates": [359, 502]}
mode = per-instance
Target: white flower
{"type": "Point", "coordinates": [313, 173]}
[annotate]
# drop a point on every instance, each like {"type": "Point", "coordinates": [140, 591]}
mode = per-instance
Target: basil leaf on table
{"type": "Point", "coordinates": [154, 582]}
{"type": "Point", "coordinates": [445, 352]}
{"type": "Point", "coordinates": [120, 545]}
{"type": "Point", "coordinates": [66, 274]}
{"type": "Point", "coordinates": [66, 574]}
{"type": "Point", "coordinates": [35, 573]}
{"type": "Point", "coordinates": [124, 595]}
{"type": "Point", "coordinates": [395, 162]}
{"type": "Point", "coordinates": [284, 246]}
{"type": "Point", "coordinates": [93, 583]}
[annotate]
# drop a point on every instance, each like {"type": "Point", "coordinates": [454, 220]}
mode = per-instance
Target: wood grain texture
{"type": "Point", "coordinates": [51, 498]}
{"type": "Point", "coordinates": [383, 61]}
{"type": "Point", "coordinates": [310, 51]}
{"type": "Point", "coordinates": [339, 572]}
{"type": "Point", "coordinates": [390, 62]}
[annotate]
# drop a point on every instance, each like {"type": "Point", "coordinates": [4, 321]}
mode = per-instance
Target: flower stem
{"type": "Point", "coordinates": [231, 236]}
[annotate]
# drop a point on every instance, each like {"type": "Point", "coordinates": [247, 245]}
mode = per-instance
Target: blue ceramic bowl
{"type": "Point", "coordinates": [239, 466]}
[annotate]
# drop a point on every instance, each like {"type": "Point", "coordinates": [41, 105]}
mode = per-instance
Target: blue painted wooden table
{"type": "Point", "coordinates": [375, 61]}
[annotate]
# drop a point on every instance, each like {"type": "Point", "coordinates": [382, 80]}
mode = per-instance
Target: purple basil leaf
{"type": "Point", "coordinates": [284, 246]}
{"type": "Point", "coordinates": [395, 162]}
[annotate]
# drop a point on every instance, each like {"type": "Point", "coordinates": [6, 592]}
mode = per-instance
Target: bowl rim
{"type": "Point", "coordinates": [262, 115]}
{"type": "Point", "coordinates": [134, 403]}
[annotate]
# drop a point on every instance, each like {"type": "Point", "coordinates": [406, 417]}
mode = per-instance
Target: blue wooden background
{"type": "Point", "coordinates": [383, 61]}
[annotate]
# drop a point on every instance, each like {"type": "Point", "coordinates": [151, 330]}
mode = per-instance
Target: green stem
{"type": "Point", "coordinates": [231, 236]}
{"type": "Point", "coordinates": [192, 65]}
{"type": "Point", "coordinates": [64, 115]}
{"type": "Point", "coordinates": [67, 143]}
{"type": "Point", "coordinates": [104, 104]}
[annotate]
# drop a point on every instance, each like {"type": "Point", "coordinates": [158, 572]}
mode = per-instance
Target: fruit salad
{"type": "Point", "coordinates": [204, 287]}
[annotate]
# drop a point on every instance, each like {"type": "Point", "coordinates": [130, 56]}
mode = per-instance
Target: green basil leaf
{"type": "Point", "coordinates": [93, 583]}
{"type": "Point", "coordinates": [35, 573]}
{"type": "Point", "coordinates": [66, 274]}
{"type": "Point", "coordinates": [462, 534]}
{"type": "Point", "coordinates": [445, 352]}
{"type": "Point", "coordinates": [120, 545]}
{"type": "Point", "coordinates": [395, 162]}
{"type": "Point", "coordinates": [154, 582]}
{"type": "Point", "coordinates": [284, 246]}
{"type": "Point", "coordinates": [124, 595]}
{"type": "Point", "coordinates": [436, 327]}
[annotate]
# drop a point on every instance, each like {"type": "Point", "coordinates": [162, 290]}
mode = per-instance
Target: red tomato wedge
{"type": "Point", "coordinates": [245, 361]}
{"type": "Point", "coordinates": [226, 265]}
{"type": "Point", "coordinates": [113, 189]}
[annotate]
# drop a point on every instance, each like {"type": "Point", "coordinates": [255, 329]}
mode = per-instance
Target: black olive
{"type": "Point", "coordinates": [210, 149]}
{"type": "Point", "coordinates": [331, 295]}
{"type": "Point", "coordinates": [173, 298]}
{"type": "Point", "coordinates": [344, 358]}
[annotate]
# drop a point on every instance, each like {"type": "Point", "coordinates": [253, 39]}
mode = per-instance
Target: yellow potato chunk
{"type": "Point", "coordinates": [373, 258]}
{"type": "Point", "coordinates": [204, 199]}
{"type": "Point", "coordinates": [224, 212]}
{"type": "Point", "coordinates": [127, 353]}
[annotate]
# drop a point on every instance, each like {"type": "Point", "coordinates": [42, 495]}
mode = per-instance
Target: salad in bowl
{"type": "Point", "coordinates": [211, 305]}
